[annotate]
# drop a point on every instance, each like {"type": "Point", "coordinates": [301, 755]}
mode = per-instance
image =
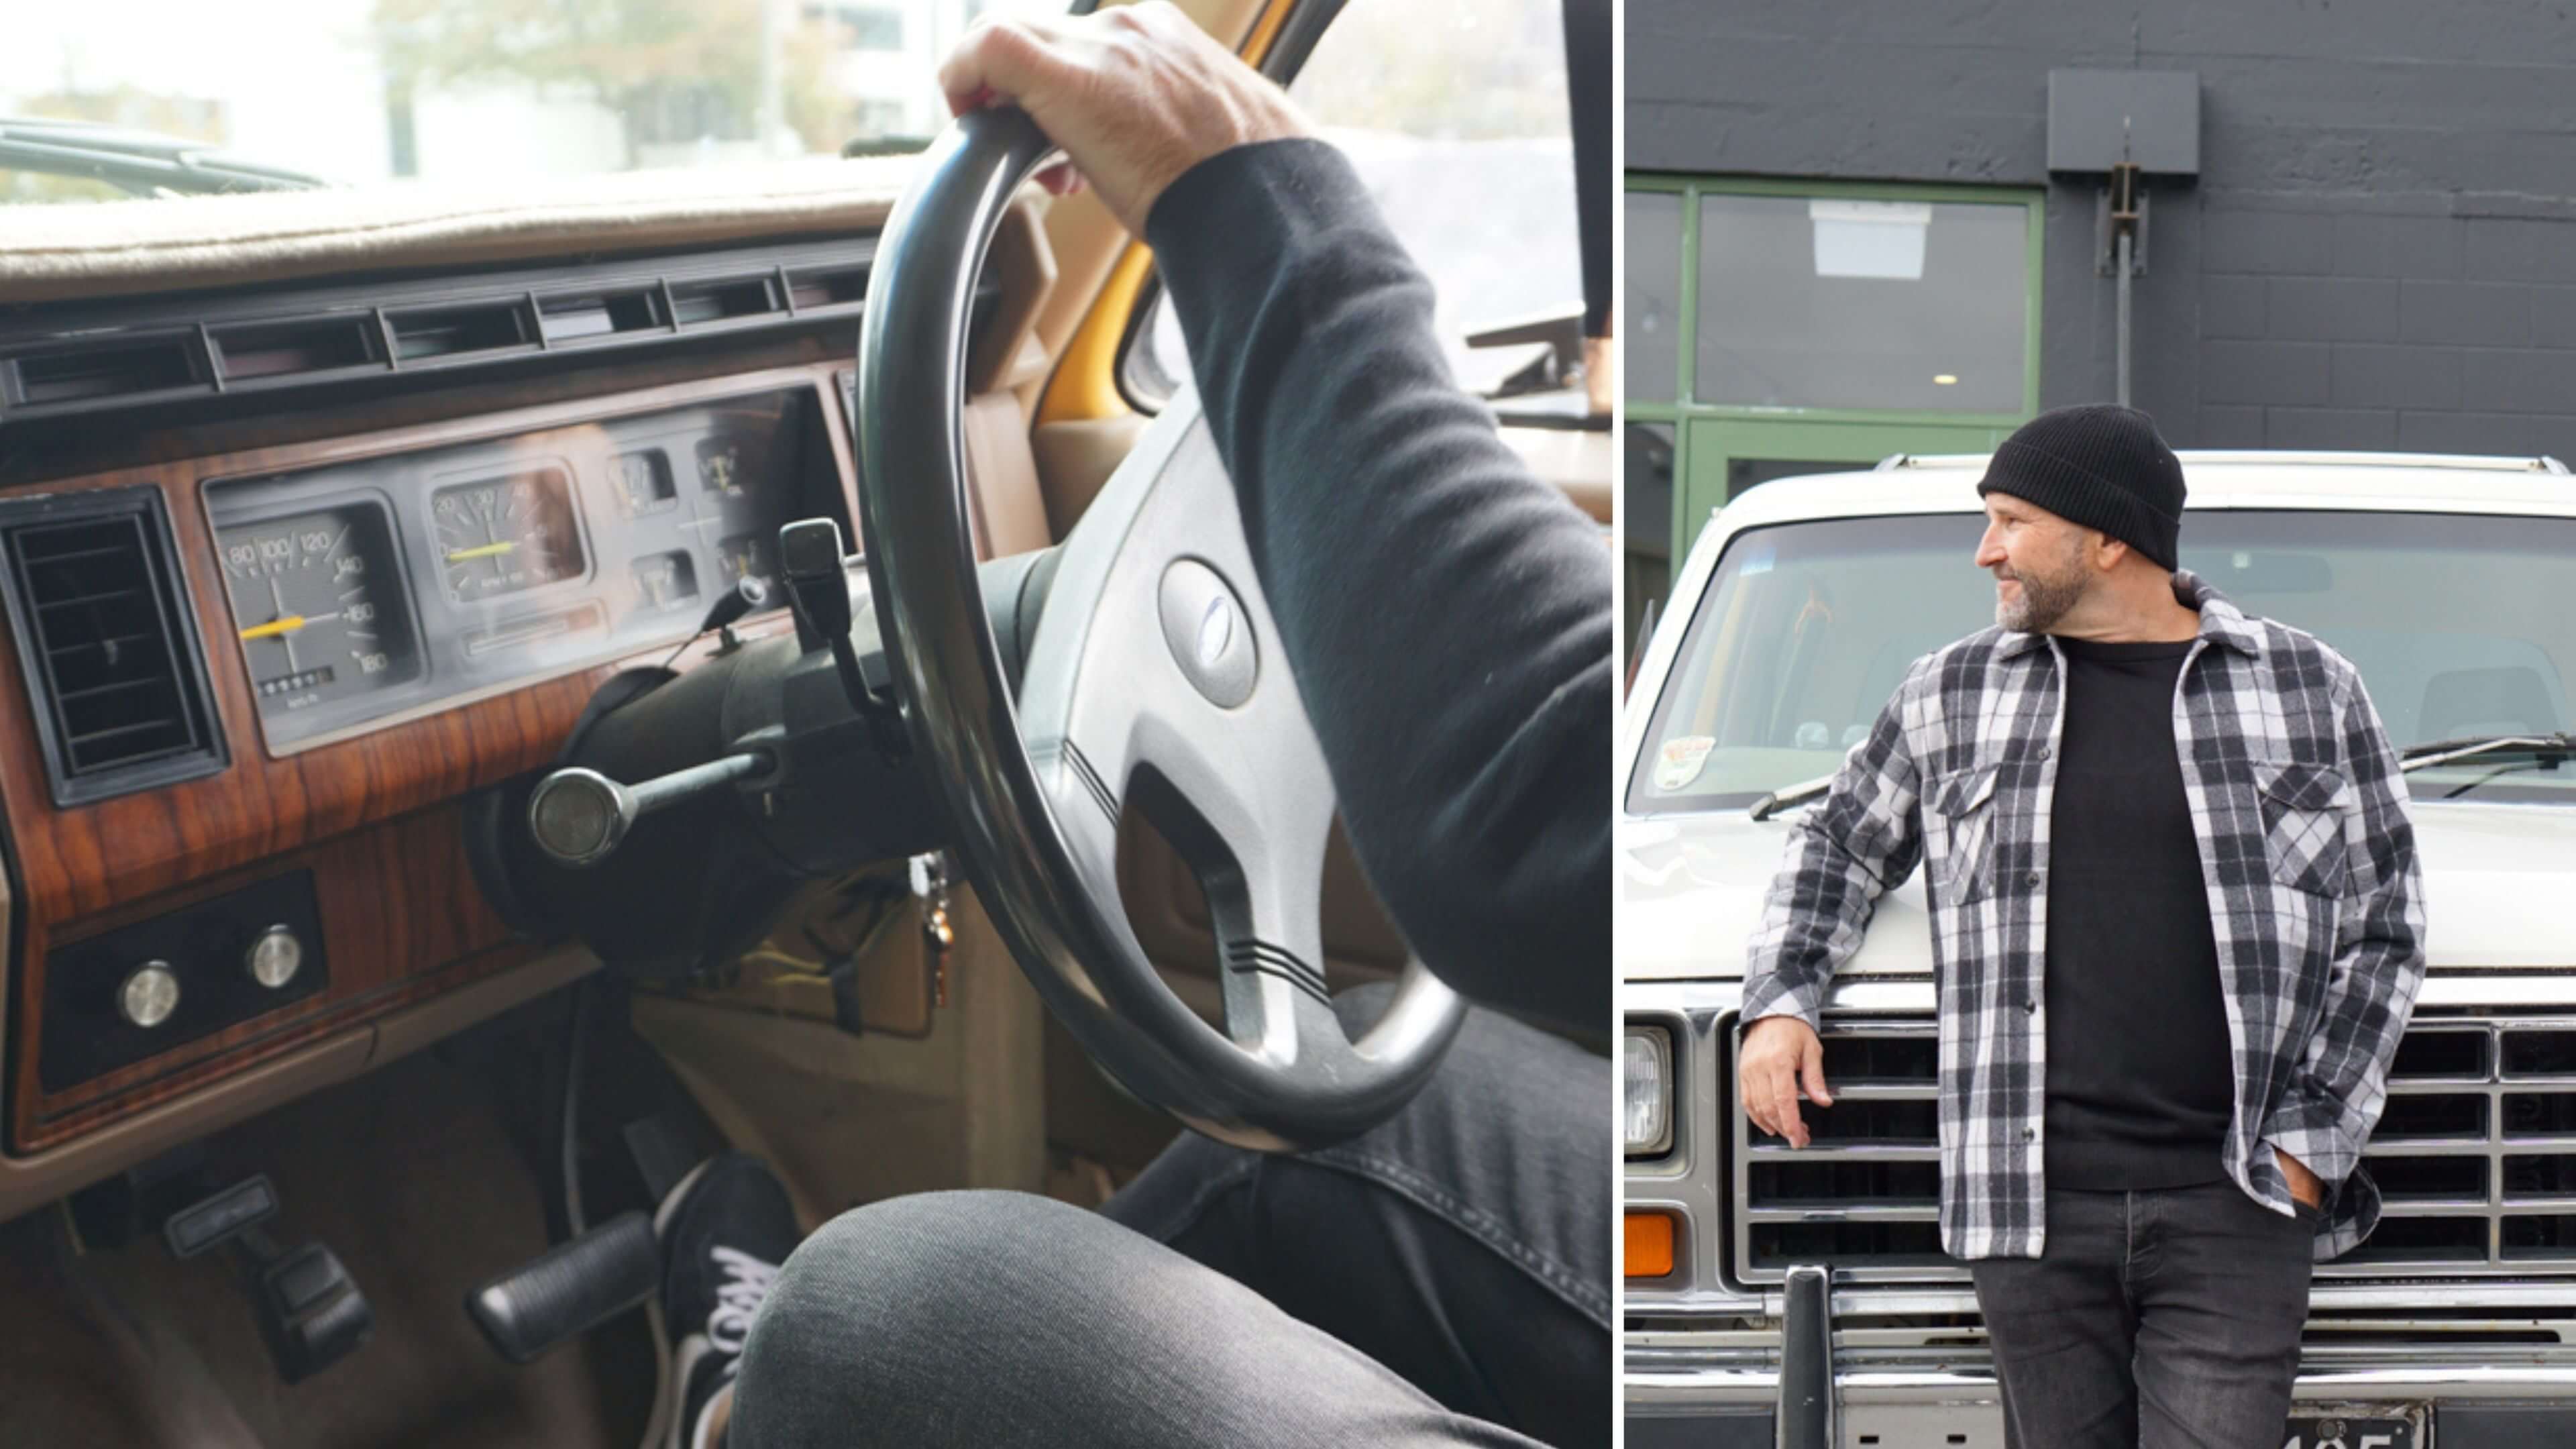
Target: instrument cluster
{"type": "Point", "coordinates": [382, 588]}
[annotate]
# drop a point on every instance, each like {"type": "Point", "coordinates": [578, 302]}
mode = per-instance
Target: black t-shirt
{"type": "Point", "coordinates": [2140, 1074]}
{"type": "Point", "coordinates": [1447, 614]}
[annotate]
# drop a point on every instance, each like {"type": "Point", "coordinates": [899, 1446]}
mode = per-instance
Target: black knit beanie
{"type": "Point", "coordinates": [2100, 466]}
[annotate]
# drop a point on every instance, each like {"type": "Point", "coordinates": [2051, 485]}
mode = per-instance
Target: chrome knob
{"type": "Point", "coordinates": [578, 816]}
{"type": "Point", "coordinates": [149, 994]}
{"type": "Point", "coordinates": [275, 958]}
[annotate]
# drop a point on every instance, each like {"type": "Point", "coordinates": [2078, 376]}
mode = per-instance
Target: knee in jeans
{"type": "Point", "coordinates": [909, 1271]}
{"type": "Point", "coordinates": [888, 1256]}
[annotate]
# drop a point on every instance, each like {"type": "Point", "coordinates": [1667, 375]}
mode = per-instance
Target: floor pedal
{"type": "Point", "coordinates": [212, 1222]}
{"type": "Point", "coordinates": [310, 1312]}
{"type": "Point", "coordinates": [569, 1289]}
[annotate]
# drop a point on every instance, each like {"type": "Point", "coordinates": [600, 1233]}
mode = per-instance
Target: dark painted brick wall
{"type": "Point", "coordinates": [2380, 251]}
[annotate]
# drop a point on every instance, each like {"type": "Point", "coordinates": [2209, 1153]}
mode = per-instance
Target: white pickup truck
{"type": "Point", "coordinates": [1808, 1302]}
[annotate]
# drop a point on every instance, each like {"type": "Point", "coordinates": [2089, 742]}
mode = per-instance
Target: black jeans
{"type": "Point", "coordinates": [2158, 1319]}
{"type": "Point", "coordinates": [1442, 1280]}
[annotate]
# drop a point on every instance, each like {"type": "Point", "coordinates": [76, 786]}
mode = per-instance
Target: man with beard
{"type": "Point", "coordinates": [2177, 929]}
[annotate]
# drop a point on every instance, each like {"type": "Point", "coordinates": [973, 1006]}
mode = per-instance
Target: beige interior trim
{"type": "Point", "coordinates": [1010, 515]}
{"type": "Point", "coordinates": [1583, 466]}
{"type": "Point", "coordinates": [53, 253]}
{"type": "Point", "coordinates": [1087, 242]}
{"type": "Point", "coordinates": [1075, 459]}
{"type": "Point", "coordinates": [1009, 353]}
{"type": "Point", "coordinates": [847, 1120]}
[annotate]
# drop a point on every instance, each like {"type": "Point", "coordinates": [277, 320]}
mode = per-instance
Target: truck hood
{"type": "Point", "coordinates": [1691, 887]}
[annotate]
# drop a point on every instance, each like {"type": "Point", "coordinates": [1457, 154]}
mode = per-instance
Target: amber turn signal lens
{"type": "Point", "coordinates": [1649, 1245]}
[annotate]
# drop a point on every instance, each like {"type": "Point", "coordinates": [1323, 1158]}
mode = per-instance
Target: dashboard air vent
{"type": "Point", "coordinates": [111, 659]}
{"type": "Point", "coordinates": [475, 327]}
{"type": "Point", "coordinates": [126, 368]}
{"type": "Point", "coordinates": [722, 299]}
{"type": "Point", "coordinates": [816, 287]}
{"type": "Point", "coordinates": [304, 345]}
{"type": "Point", "coordinates": [204, 349]}
{"type": "Point", "coordinates": [568, 316]}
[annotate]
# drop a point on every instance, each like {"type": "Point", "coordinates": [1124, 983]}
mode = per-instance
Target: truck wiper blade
{"type": "Point", "coordinates": [1788, 795]}
{"type": "Point", "coordinates": [142, 162]}
{"type": "Point", "coordinates": [2416, 757]}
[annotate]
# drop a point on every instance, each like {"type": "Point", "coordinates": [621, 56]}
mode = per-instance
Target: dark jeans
{"type": "Point", "coordinates": [2159, 1319]}
{"type": "Point", "coordinates": [1443, 1280]}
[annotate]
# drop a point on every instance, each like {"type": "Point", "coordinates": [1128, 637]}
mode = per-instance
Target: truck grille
{"type": "Point", "coordinates": [2475, 1157]}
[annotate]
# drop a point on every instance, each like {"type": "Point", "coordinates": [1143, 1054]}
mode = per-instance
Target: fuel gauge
{"type": "Point", "coordinates": [665, 579]}
{"type": "Point", "coordinates": [741, 556]}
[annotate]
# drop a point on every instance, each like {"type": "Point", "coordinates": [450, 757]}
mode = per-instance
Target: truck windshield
{"type": "Point", "coordinates": [2459, 625]}
{"type": "Point", "coordinates": [188, 98]}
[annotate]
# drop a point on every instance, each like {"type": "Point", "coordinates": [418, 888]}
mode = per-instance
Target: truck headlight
{"type": "Point", "coordinates": [1646, 1068]}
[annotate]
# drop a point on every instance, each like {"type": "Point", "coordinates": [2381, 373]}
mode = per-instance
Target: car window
{"type": "Point", "coordinates": [2457, 623]}
{"type": "Point", "coordinates": [1454, 112]}
{"type": "Point", "coordinates": [368, 92]}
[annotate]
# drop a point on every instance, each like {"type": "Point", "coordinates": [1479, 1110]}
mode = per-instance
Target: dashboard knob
{"type": "Point", "coordinates": [275, 958]}
{"type": "Point", "coordinates": [579, 815]}
{"type": "Point", "coordinates": [149, 995]}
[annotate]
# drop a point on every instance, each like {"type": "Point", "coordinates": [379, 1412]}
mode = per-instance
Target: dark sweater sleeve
{"type": "Point", "coordinates": [1447, 614]}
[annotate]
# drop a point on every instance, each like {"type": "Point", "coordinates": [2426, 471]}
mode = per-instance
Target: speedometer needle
{"type": "Point", "coordinates": [489, 550]}
{"type": "Point", "coordinates": [291, 624]}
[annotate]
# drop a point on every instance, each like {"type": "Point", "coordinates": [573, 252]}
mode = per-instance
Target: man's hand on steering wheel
{"type": "Point", "coordinates": [1135, 94]}
{"type": "Point", "coordinates": [1155, 677]}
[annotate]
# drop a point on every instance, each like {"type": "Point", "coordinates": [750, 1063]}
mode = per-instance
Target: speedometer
{"type": "Point", "coordinates": [318, 606]}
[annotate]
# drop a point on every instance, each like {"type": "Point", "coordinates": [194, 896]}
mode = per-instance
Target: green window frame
{"type": "Point", "coordinates": [1707, 434]}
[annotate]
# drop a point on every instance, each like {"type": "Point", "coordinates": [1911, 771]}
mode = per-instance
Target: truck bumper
{"type": "Point", "coordinates": [1805, 1393]}
{"type": "Point", "coordinates": [1949, 1400]}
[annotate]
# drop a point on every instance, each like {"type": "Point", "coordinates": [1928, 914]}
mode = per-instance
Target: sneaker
{"type": "Point", "coordinates": [724, 1230]}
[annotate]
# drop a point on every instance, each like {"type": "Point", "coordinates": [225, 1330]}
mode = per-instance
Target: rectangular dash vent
{"type": "Point", "coordinates": [90, 371]}
{"type": "Point", "coordinates": [111, 661]}
{"type": "Point", "coordinates": [451, 331]}
{"type": "Point", "coordinates": [303, 345]}
{"type": "Point", "coordinates": [816, 287]}
{"type": "Point", "coordinates": [723, 299]}
{"type": "Point", "coordinates": [187, 352]}
{"type": "Point", "coordinates": [567, 316]}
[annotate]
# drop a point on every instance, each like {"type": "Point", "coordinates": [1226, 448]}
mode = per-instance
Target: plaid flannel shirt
{"type": "Point", "coordinates": [2306, 847]}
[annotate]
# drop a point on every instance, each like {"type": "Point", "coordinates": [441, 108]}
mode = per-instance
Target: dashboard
{"type": "Point", "coordinates": [372, 630]}
{"type": "Point", "coordinates": [300, 579]}
{"type": "Point", "coordinates": [364, 593]}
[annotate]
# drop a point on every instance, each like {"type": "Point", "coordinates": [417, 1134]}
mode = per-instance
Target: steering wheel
{"type": "Point", "coordinates": [1154, 677]}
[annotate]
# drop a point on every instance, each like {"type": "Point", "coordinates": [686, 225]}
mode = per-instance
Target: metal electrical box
{"type": "Point", "coordinates": [2098, 119]}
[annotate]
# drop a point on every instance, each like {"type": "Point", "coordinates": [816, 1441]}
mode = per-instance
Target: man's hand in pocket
{"type": "Point", "coordinates": [2306, 1186]}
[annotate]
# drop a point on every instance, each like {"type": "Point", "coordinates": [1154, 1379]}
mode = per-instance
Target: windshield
{"type": "Point", "coordinates": [1455, 114]}
{"type": "Point", "coordinates": [364, 92]}
{"type": "Point", "coordinates": [2459, 626]}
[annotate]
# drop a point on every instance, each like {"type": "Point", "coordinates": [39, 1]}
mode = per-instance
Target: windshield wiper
{"type": "Point", "coordinates": [1788, 795]}
{"type": "Point", "coordinates": [143, 163]}
{"type": "Point", "coordinates": [2550, 746]}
